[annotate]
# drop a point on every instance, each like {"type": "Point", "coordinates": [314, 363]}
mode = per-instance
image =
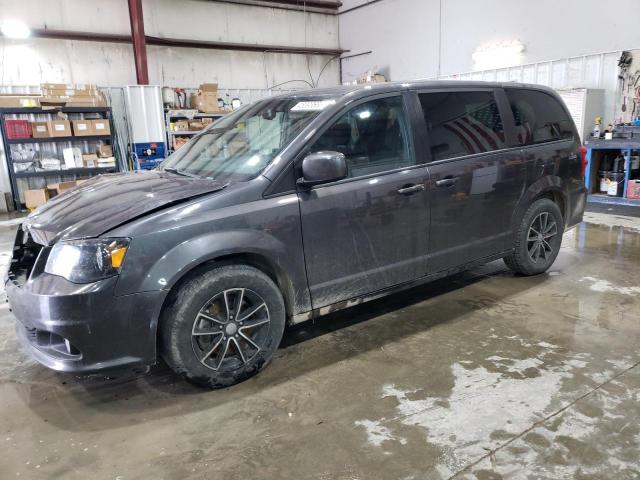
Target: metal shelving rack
{"type": "Point", "coordinates": [624, 146]}
{"type": "Point", "coordinates": [186, 114]}
{"type": "Point", "coordinates": [105, 112]}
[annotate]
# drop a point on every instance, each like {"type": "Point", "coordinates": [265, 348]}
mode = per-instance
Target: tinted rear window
{"type": "Point", "coordinates": [462, 123]}
{"type": "Point", "coordinates": [539, 117]}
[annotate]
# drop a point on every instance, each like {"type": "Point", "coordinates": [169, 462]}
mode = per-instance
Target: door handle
{"type": "Point", "coordinates": [447, 182]}
{"type": "Point", "coordinates": [411, 189]}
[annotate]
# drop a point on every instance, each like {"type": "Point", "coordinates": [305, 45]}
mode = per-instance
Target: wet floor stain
{"type": "Point", "coordinates": [484, 375]}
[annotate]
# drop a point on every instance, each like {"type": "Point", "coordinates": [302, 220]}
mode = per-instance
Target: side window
{"type": "Point", "coordinates": [462, 123]}
{"type": "Point", "coordinates": [373, 136]}
{"type": "Point", "coordinates": [539, 117]}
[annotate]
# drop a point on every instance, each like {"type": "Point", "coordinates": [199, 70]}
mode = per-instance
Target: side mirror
{"type": "Point", "coordinates": [322, 167]}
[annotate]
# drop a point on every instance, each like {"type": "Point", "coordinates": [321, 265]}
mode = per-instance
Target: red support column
{"type": "Point", "coordinates": [139, 46]}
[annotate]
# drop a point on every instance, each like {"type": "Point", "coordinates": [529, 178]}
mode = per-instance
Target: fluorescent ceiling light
{"type": "Point", "coordinates": [12, 28]}
{"type": "Point", "coordinates": [498, 55]}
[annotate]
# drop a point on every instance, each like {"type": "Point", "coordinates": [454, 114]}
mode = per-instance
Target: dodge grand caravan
{"type": "Point", "coordinates": [290, 208]}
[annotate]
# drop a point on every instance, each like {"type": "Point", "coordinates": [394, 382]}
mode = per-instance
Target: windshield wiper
{"type": "Point", "coordinates": [180, 172]}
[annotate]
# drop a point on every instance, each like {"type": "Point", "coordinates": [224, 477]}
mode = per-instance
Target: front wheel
{"type": "Point", "coordinates": [222, 326]}
{"type": "Point", "coordinates": [538, 239]}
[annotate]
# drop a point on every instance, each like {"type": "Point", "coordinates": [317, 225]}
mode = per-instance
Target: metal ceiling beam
{"type": "Point", "coordinates": [138, 38]}
{"type": "Point", "coordinates": [309, 3]}
{"type": "Point", "coordinates": [247, 47]}
{"type": "Point", "coordinates": [312, 6]}
{"type": "Point", "coordinates": [181, 43]}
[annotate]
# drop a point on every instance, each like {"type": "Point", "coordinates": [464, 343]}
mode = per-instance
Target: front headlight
{"type": "Point", "coordinates": [86, 261]}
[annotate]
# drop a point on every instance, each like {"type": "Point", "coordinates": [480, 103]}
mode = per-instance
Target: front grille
{"type": "Point", "coordinates": [27, 257]}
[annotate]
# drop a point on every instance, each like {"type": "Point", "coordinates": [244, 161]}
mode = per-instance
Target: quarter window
{"type": "Point", "coordinates": [373, 136]}
{"type": "Point", "coordinates": [462, 123]}
{"type": "Point", "coordinates": [539, 117]}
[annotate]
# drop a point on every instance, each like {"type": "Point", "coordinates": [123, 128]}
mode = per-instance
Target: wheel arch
{"type": "Point", "coordinates": [258, 261]}
{"type": "Point", "coordinates": [550, 187]}
{"type": "Point", "coordinates": [252, 259]}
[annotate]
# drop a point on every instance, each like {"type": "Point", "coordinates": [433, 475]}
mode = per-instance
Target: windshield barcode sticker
{"type": "Point", "coordinates": [312, 106]}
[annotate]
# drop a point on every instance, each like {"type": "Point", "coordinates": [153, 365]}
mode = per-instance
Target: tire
{"type": "Point", "coordinates": [537, 243]}
{"type": "Point", "coordinates": [202, 317]}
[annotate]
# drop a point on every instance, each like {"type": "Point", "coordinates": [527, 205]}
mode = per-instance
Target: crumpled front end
{"type": "Point", "coordinates": [78, 327]}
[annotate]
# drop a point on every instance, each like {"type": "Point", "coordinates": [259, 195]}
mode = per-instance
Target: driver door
{"type": "Point", "coordinates": [366, 232]}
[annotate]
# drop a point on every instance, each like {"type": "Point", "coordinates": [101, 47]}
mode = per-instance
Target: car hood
{"type": "Point", "coordinates": [107, 201]}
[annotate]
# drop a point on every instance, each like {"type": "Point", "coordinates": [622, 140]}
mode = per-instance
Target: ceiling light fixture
{"type": "Point", "coordinates": [12, 28]}
{"type": "Point", "coordinates": [498, 55]}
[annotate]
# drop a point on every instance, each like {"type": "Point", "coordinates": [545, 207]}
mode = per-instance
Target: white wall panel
{"type": "Point", "coordinates": [591, 71]}
{"type": "Point", "coordinates": [404, 34]}
{"type": "Point", "coordinates": [34, 61]}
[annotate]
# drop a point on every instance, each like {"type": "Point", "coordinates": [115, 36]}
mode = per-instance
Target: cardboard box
{"type": "Point", "coordinates": [62, 94]}
{"type": "Point", "coordinates": [208, 88]}
{"type": "Point", "coordinates": [104, 151]}
{"type": "Point", "coordinates": [63, 86]}
{"type": "Point", "coordinates": [64, 89]}
{"type": "Point", "coordinates": [49, 163]}
{"type": "Point", "coordinates": [206, 100]}
{"type": "Point", "coordinates": [633, 189]}
{"type": "Point", "coordinates": [35, 198]}
{"type": "Point", "coordinates": [72, 157]}
{"type": "Point", "coordinates": [179, 141]}
{"type": "Point", "coordinates": [109, 162]}
{"type": "Point", "coordinates": [207, 120]}
{"type": "Point", "coordinates": [101, 127]}
{"type": "Point", "coordinates": [60, 128]}
{"type": "Point", "coordinates": [181, 126]}
{"type": "Point", "coordinates": [62, 187]}
{"type": "Point", "coordinates": [82, 128]}
{"type": "Point", "coordinates": [195, 125]}
{"type": "Point", "coordinates": [19, 101]}
{"type": "Point", "coordinates": [206, 103]}
{"type": "Point", "coordinates": [90, 160]}
{"type": "Point", "coordinates": [53, 101]}
{"type": "Point", "coordinates": [40, 130]}
{"type": "Point", "coordinates": [99, 101]}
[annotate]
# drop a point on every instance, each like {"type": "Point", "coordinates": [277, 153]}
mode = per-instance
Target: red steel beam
{"type": "Point", "coordinates": [139, 46]}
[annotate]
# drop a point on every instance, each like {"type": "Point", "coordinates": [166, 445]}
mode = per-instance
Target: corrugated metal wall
{"type": "Point", "coordinates": [588, 71]}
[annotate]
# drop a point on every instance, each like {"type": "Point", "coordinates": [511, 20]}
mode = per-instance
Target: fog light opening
{"type": "Point", "coordinates": [71, 350]}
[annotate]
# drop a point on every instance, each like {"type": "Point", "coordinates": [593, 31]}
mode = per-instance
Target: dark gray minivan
{"type": "Point", "coordinates": [290, 208]}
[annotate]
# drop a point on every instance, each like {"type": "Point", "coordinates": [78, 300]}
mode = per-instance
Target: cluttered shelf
{"type": "Point", "coordinates": [604, 198]}
{"type": "Point", "coordinates": [53, 110]}
{"type": "Point", "coordinates": [184, 132]}
{"type": "Point", "coordinates": [613, 167]}
{"type": "Point", "coordinates": [69, 171]}
{"type": "Point", "coordinates": [189, 114]}
{"type": "Point", "coordinates": [65, 132]}
{"type": "Point", "coordinates": [85, 138]}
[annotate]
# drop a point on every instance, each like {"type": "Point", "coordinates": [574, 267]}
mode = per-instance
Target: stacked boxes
{"type": "Point", "coordinates": [206, 100]}
{"type": "Point", "coordinates": [72, 95]}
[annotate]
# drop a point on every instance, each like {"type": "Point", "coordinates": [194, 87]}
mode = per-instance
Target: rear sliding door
{"type": "Point", "coordinates": [476, 177]}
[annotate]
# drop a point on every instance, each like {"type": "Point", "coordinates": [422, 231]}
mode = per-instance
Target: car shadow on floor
{"type": "Point", "coordinates": [98, 402]}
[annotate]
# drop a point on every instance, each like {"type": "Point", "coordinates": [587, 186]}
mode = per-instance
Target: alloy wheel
{"type": "Point", "coordinates": [541, 232]}
{"type": "Point", "coordinates": [230, 329]}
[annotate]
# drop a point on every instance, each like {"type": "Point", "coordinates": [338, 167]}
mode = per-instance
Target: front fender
{"type": "Point", "coordinates": [182, 258]}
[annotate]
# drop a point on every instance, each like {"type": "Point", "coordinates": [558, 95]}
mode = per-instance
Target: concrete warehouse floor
{"type": "Point", "coordinates": [483, 375]}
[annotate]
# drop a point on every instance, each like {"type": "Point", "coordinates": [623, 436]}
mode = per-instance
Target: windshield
{"type": "Point", "coordinates": [238, 147]}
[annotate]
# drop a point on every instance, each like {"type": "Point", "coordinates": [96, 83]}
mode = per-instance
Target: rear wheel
{"type": "Point", "coordinates": [222, 326]}
{"type": "Point", "coordinates": [538, 239]}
